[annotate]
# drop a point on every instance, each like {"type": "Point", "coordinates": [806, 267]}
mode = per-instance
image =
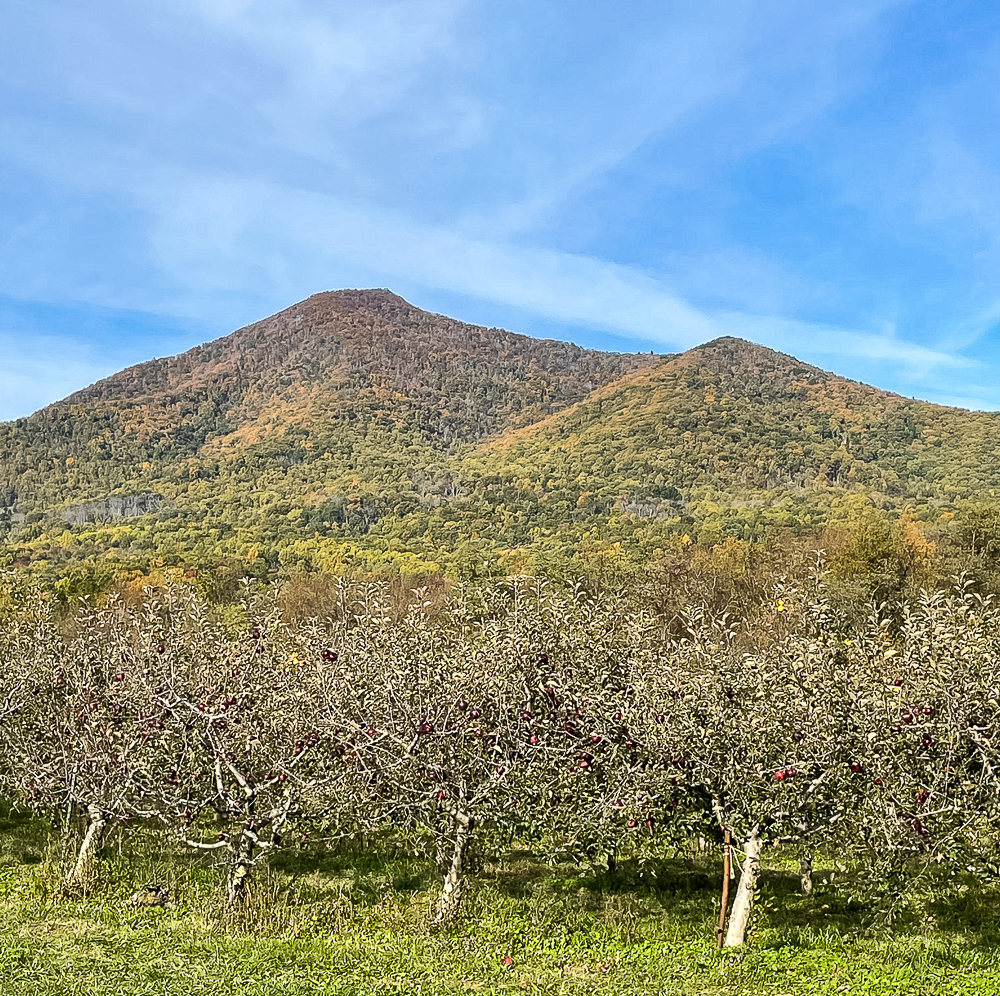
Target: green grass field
{"type": "Point", "coordinates": [331, 923]}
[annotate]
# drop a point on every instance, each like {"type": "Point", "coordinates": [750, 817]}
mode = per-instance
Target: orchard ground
{"type": "Point", "coordinates": [358, 919]}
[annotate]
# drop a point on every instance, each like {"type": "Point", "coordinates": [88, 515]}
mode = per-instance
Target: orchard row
{"type": "Point", "coordinates": [573, 724]}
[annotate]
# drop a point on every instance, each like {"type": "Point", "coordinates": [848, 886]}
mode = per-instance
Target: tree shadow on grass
{"type": "Point", "coordinates": [972, 914]}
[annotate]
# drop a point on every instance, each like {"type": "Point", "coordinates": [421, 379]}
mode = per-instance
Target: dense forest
{"type": "Point", "coordinates": [355, 433]}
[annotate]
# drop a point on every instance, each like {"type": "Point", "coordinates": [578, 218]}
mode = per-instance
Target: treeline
{"type": "Point", "coordinates": [871, 552]}
{"type": "Point", "coordinates": [573, 723]}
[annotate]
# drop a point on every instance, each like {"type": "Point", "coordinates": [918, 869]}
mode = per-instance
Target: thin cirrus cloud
{"type": "Point", "coordinates": [816, 177]}
{"type": "Point", "coordinates": [308, 236]}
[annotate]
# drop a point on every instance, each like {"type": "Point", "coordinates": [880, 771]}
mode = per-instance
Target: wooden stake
{"type": "Point", "coordinates": [726, 848]}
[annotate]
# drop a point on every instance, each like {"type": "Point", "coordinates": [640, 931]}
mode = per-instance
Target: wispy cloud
{"type": "Point", "coordinates": [818, 339]}
{"type": "Point", "coordinates": [313, 237]}
{"type": "Point", "coordinates": [338, 63]}
{"type": "Point", "coordinates": [816, 176]}
{"type": "Point", "coordinates": [203, 232]}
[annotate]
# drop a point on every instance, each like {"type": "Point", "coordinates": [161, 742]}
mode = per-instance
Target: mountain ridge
{"type": "Point", "coordinates": [387, 316]}
{"type": "Point", "coordinates": [354, 416]}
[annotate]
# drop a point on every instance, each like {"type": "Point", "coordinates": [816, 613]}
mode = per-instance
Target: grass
{"type": "Point", "coordinates": [359, 923]}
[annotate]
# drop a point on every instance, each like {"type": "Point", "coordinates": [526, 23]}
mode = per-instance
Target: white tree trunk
{"type": "Point", "coordinates": [83, 867]}
{"type": "Point", "coordinates": [743, 902]}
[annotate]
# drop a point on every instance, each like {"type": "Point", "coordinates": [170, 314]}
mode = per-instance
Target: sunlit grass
{"type": "Point", "coordinates": [359, 921]}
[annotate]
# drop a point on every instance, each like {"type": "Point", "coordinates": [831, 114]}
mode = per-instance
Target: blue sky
{"type": "Point", "coordinates": [819, 177]}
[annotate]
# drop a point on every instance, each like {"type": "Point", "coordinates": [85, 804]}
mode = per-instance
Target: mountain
{"type": "Point", "coordinates": [347, 393]}
{"type": "Point", "coordinates": [353, 424]}
{"type": "Point", "coordinates": [731, 415]}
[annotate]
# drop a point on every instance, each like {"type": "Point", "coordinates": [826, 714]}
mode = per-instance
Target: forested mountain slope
{"type": "Point", "coordinates": [345, 385]}
{"type": "Point", "coordinates": [734, 416]}
{"type": "Point", "coordinates": [353, 422]}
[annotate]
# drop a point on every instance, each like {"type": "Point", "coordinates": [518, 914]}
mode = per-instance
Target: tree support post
{"type": "Point", "coordinates": [726, 858]}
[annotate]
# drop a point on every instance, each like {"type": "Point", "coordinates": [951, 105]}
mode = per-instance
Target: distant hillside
{"type": "Point", "coordinates": [356, 425]}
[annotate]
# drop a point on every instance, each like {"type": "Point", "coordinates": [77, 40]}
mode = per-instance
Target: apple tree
{"type": "Point", "coordinates": [766, 742]}
{"type": "Point", "coordinates": [237, 756]}
{"type": "Point", "coordinates": [76, 741]}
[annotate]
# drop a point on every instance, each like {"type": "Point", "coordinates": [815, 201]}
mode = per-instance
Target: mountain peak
{"type": "Point", "coordinates": [329, 306]}
{"type": "Point", "coordinates": [357, 299]}
{"type": "Point", "coordinates": [731, 347]}
{"type": "Point", "coordinates": [729, 356]}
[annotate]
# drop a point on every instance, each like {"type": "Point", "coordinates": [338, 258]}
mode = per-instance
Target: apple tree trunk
{"type": "Point", "coordinates": [80, 874]}
{"type": "Point", "coordinates": [806, 874]}
{"type": "Point", "coordinates": [238, 879]}
{"type": "Point", "coordinates": [743, 903]}
{"type": "Point", "coordinates": [450, 902]}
